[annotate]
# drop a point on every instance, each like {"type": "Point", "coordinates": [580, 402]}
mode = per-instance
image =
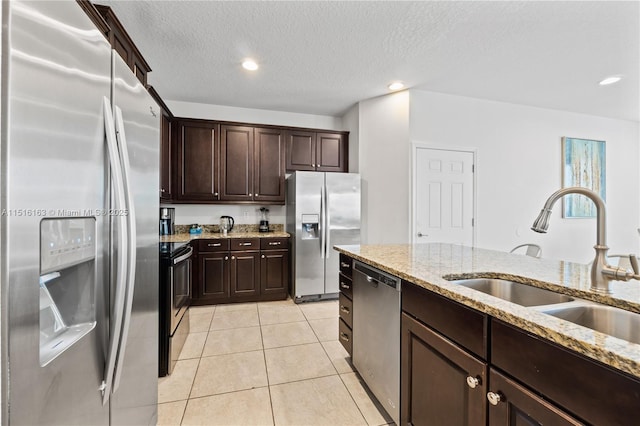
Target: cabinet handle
{"type": "Point", "coordinates": [249, 195]}
{"type": "Point", "coordinates": [494, 398]}
{"type": "Point", "coordinates": [472, 382]}
{"type": "Point", "coordinates": [263, 256]}
{"type": "Point", "coordinates": [214, 245]}
{"type": "Point", "coordinates": [162, 190]}
{"type": "Point", "coordinates": [226, 258]}
{"type": "Point", "coordinates": [215, 193]}
{"type": "Point", "coordinates": [245, 244]}
{"type": "Point", "coordinates": [277, 243]}
{"type": "Point", "coordinates": [344, 309]}
{"type": "Point", "coordinates": [344, 265]}
{"type": "Point", "coordinates": [344, 336]}
{"type": "Point", "coordinates": [345, 286]}
{"type": "Point", "coordinates": [233, 258]}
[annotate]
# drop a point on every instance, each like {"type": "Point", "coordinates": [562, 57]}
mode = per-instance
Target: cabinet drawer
{"type": "Point", "coordinates": [346, 310]}
{"type": "Point", "coordinates": [465, 326]}
{"type": "Point", "coordinates": [346, 286]}
{"type": "Point", "coordinates": [345, 336]}
{"type": "Point", "coordinates": [245, 243]}
{"type": "Point", "coordinates": [346, 264]}
{"type": "Point", "coordinates": [274, 243]}
{"type": "Point", "coordinates": [213, 245]}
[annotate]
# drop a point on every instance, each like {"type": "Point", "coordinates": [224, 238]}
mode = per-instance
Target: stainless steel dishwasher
{"type": "Point", "coordinates": [376, 325]}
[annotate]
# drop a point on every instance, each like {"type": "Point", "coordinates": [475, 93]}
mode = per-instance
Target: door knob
{"type": "Point", "coordinates": [420, 234]}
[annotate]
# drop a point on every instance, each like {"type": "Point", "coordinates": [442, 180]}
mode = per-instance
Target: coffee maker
{"type": "Point", "coordinates": [167, 220]}
{"type": "Point", "coordinates": [264, 222]}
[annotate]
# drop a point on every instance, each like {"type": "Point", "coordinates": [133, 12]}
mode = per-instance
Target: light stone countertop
{"type": "Point", "coordinates": [186, 237]}
{"type": "Point", "coordinates": [426, 264]}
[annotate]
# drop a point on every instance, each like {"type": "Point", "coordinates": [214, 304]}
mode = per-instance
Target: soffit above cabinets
{"type": "Point", "coordinates": [321, 57]}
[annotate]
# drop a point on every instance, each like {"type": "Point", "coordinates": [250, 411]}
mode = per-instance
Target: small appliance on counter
{"type": "Point", "coordinates": [226, 224]}
{"type": "Point", "coordinates": [195, 229]}
{"type": "Point", "coordinates": [167, 220]}
{"type": "Point", "coordinates": [264, 223]}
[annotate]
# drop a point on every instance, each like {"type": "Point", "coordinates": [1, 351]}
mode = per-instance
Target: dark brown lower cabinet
{"type": "Point", "coordinates": [245, 275]}
{"type": "Point", "coordinates": [441, 383]}
{"type": "Point", "coordinates": [213, 282]}
{"type": "Point", "coordinates": [514, 405]}
{"type": "Point", "coordinates": [274, 272]}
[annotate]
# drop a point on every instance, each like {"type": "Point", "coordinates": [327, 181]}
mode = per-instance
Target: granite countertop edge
{"type": "Point", "coordinates": [425, 265]}
{"type": "Point", "coordinates": [186, 237]}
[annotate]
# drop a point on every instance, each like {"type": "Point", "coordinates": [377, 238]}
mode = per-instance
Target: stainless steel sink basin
{"type": "Point", "coordinates": [615, 322]}
{"type": "Point", "coordinates": [514, 292]}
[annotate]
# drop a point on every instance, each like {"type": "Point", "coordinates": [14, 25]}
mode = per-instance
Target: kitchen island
{"type": "Point", "coordinates": [426, 271]}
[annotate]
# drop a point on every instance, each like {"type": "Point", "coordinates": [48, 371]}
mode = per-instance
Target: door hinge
{"type": "Point", "coordinates": [473, 222]}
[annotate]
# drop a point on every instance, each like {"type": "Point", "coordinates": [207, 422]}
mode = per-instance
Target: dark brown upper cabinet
{"type": "Point", "coordinates": [122, 43]}
{"type": "Point", "coordinates": [252, 168]}
{"type": "Point", "coordinates": [167, 138]}
{"type": "Point", "coordinates": [269, 165]}
{"type": "Point", "coordinates": [197, 161]}
{"type": "Point", "coordinates": [236, 144]}
{"type": "Point", "coordinates": [317, 151]}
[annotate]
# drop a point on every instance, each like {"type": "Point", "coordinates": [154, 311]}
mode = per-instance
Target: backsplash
{"type": "Point", "coordinates": [276, 227]}
{"type": "Point", "coordinates": [187, 214]}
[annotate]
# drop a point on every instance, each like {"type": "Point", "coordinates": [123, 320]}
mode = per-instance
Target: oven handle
{"type": "Point", "coordinates": [183, 257]}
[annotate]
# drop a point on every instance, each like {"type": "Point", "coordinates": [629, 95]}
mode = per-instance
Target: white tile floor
{"type": "Point", "coordinates": [264, 364]}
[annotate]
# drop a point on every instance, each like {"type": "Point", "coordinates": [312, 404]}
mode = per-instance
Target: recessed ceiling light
{"type": "Point", "coordinates": [249, 64]}
{"type": "Point", "coordinates": [396, 85]}
{"type": "Point", "coordinates": [610, 80]}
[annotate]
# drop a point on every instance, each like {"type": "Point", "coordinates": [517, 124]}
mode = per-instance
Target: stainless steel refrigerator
{"type": "Point", "coordinates": [79, 265]}
{"type": "Point", "coordinates": [323, 210]}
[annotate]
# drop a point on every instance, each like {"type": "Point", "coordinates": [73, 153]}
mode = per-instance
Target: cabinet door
{"type": "Point", "coordinates": [165, 158]}
{"type": "Point", "coordinates": [214, 277]}
{"type": "Point", "coordinates": [301, 150]}
{"type": "Point", "coordinates": [236, 146]}
{"type": "Point", "coordinates": [245, 275]}
{"type": "Point", "coordinates": [274, 272]}
{"type": "Point", "coordinates": [441, 384]}
{"type": "Point", "coordinates": [331, 152]}
{"type": "Point", "coordinates": [514, 405]}
{"type": "Point", "coordinates": [269, 165]}
{"type": "Point", "coordinates": [197, 161]}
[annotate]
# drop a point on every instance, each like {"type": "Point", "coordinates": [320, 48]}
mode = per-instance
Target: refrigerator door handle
{"type": "Point", "coordinates": [131, 243]}
{"type": "Point", "coordinates": [327, 232]}
{"type": "Point", "coordinates": [323, 230]}
{"type": "Point", "coordinates": [121, 271]}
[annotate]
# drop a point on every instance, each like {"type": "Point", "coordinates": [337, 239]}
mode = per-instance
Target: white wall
{"type": "Point", "coordinates": [203, 214]}
{"type": "Point", "coordinates": [519, 166]}
{"type": "Point", "coordinates": [253, 116]}
{"type": "Point", "coordinates": [384, 167]}
{"type": "Point", "coordinates": [351, 122]}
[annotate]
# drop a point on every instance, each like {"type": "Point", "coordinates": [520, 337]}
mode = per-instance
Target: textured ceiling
{"type": "Point", "coordinates": [321, 57]}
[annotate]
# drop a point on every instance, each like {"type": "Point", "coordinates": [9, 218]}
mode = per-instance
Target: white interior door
{"type": "Point", "coordinates": [443, 196]}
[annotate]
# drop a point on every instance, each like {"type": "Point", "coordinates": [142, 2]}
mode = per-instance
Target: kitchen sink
{"type": "Point", "coordinates": [521, 294]}
{"type": "Point", "coordinates": [615, 322]}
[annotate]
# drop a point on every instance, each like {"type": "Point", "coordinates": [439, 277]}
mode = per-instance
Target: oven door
{"type": "Point", "coordinates": [180, 285]}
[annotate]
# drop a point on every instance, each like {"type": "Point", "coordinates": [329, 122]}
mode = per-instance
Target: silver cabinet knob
{"type": "Point", "coordinates": [344, 264]}
{"type": "Point", "coordinates": [472, 382]}
{"type": "Point", "coordinates": [233, 257]}
{"type": "Point", "coordinates": [494, 398]}
{"type": "Point", "coordinates": [215, 193]}
{"type": "Point", "coordinates": [344, 309]}
{"type": "Point", "coordinates": [249, 195]}
{"type": "Point", "coordinates": [344, 336]}
{"type": "Point", "coordinates": [226, 258]}
{"type": "Point", "coordinates": [162, 190]}
{"type": "Point", "coordinates": [263, 256]}
{"type": "Point", "coordinates": [345, 286]}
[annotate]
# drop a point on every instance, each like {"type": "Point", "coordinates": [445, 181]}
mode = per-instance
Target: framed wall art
{"type": "Point", "coordinates": [583, 164]}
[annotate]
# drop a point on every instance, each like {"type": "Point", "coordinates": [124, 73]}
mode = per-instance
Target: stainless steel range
{"type": "Point", "coordinates": [175, 297]}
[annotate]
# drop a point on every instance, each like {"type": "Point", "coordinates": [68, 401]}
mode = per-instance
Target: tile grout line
{"type": "Point", "coordinates": [266, 370]}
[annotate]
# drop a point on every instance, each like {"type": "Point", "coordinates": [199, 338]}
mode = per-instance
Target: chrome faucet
{"type": "Point", "coordinates": [601, 271]}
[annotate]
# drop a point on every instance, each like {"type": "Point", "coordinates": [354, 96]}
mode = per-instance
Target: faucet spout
{"type": "Point", "coordinates": [601, 271]}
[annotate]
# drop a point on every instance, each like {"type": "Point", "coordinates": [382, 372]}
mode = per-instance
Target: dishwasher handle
{"type": "Point", "coordinates": [374, 277]}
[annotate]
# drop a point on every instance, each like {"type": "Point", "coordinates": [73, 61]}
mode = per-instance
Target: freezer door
{"type": "Point", "coordinates": [135, 398]}
{"type": "Point", "coordinates": [56, 71]}
{"type": "Point", "coordinates": [308, 257]}
{"type": "Point", "coordinates": [343, 220]}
